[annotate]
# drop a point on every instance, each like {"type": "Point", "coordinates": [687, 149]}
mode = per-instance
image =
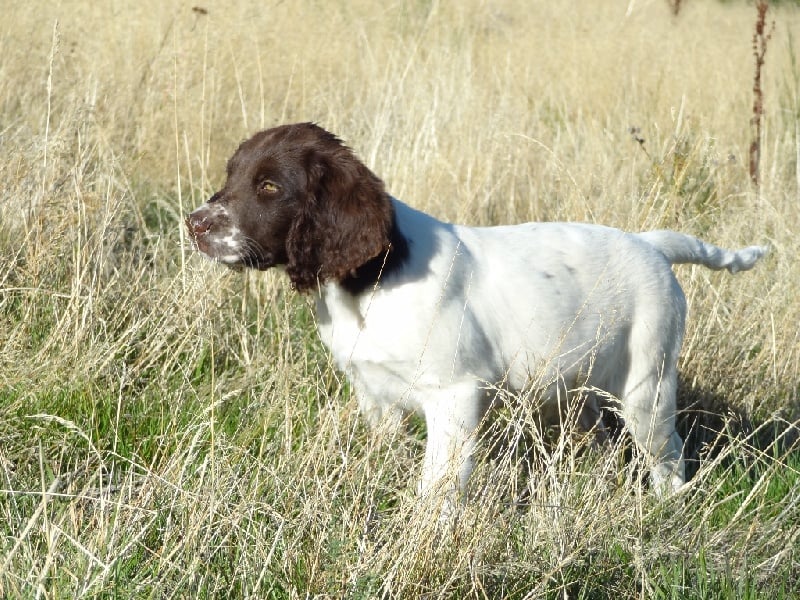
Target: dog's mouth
{"type": "Point", "coordinates": [260, 262]}
{"type": "Point", "coordinates": [222, 247]}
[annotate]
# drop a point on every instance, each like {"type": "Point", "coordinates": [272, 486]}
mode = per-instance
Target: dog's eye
{"type": "Point", "coordinates": [268, 187]}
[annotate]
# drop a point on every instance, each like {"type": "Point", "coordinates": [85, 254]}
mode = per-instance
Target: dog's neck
{"type": "Point", "coordinates": [390, 260]}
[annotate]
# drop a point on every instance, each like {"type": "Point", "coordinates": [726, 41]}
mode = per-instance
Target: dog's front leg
{"type": "Point", "coordinates": [452, 418]}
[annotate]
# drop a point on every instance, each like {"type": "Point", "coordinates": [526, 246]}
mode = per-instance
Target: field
{"type": "Point", "coordinates": [173, 429]}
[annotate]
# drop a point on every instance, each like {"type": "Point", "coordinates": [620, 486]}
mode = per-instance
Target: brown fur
{"type": "Point", "coordinates": [329, 216]}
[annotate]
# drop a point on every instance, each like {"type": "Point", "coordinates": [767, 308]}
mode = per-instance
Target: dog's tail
{"type": "Point", "coordinates": [681, 248]}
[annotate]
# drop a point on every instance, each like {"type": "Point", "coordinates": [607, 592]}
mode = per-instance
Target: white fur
{"type": "Point", "coordinates": [558, 306]}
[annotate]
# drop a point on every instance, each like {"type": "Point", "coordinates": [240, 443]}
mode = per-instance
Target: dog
{"type": "Point", "coordinates": [431, 317]}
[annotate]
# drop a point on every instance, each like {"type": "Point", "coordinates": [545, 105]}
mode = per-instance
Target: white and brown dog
{"type": "Point", "coordinates": [427, 316]}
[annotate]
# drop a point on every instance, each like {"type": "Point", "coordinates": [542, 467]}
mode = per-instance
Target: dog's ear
{"type": "Point", "coordinates": [344, 221]}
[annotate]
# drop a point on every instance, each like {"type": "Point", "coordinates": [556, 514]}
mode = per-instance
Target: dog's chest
{"type": "Point", "coordinates": [342, 324]}
{"type": "Point", "coordinates": [393, 334]}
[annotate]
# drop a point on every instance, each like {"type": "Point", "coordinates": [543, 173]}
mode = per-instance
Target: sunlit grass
{"type": "Point", "coordinates": [172, 429]}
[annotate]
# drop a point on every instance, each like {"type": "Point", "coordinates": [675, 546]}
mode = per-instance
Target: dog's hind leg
{"type": "Point", "coordinates": [649, 411]}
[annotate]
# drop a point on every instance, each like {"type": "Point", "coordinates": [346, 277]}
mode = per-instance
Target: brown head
{"type": "Point", "coordinates": [296, 196]}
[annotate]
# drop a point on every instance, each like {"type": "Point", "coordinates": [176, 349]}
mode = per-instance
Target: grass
{"type": "Point", "coordinates": [171, 429]}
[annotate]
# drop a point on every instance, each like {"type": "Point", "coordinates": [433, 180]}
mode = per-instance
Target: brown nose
{"type": "Point", "coordinates": [197, 225]}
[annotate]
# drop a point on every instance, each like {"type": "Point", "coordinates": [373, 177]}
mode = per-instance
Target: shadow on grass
{"type": "Point", "coordinates": [708, 422]}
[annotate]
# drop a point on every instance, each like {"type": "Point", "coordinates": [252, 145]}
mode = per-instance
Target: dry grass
{"type": "Point", "coordinates": [172, 430]}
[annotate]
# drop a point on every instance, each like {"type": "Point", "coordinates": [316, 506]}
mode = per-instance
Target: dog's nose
{"type": "Point", "coordinates": [197, 225]}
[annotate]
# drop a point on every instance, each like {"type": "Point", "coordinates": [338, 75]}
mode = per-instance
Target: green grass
{"type": "Point", "coordinates": [171, 429]}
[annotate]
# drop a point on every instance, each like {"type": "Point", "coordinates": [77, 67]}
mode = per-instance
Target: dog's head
{"type": "Point", "coordinates": [295, 196]}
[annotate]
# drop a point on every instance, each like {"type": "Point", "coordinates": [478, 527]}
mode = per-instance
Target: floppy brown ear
{"type": "Point", "coordinates": [345, 220]}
